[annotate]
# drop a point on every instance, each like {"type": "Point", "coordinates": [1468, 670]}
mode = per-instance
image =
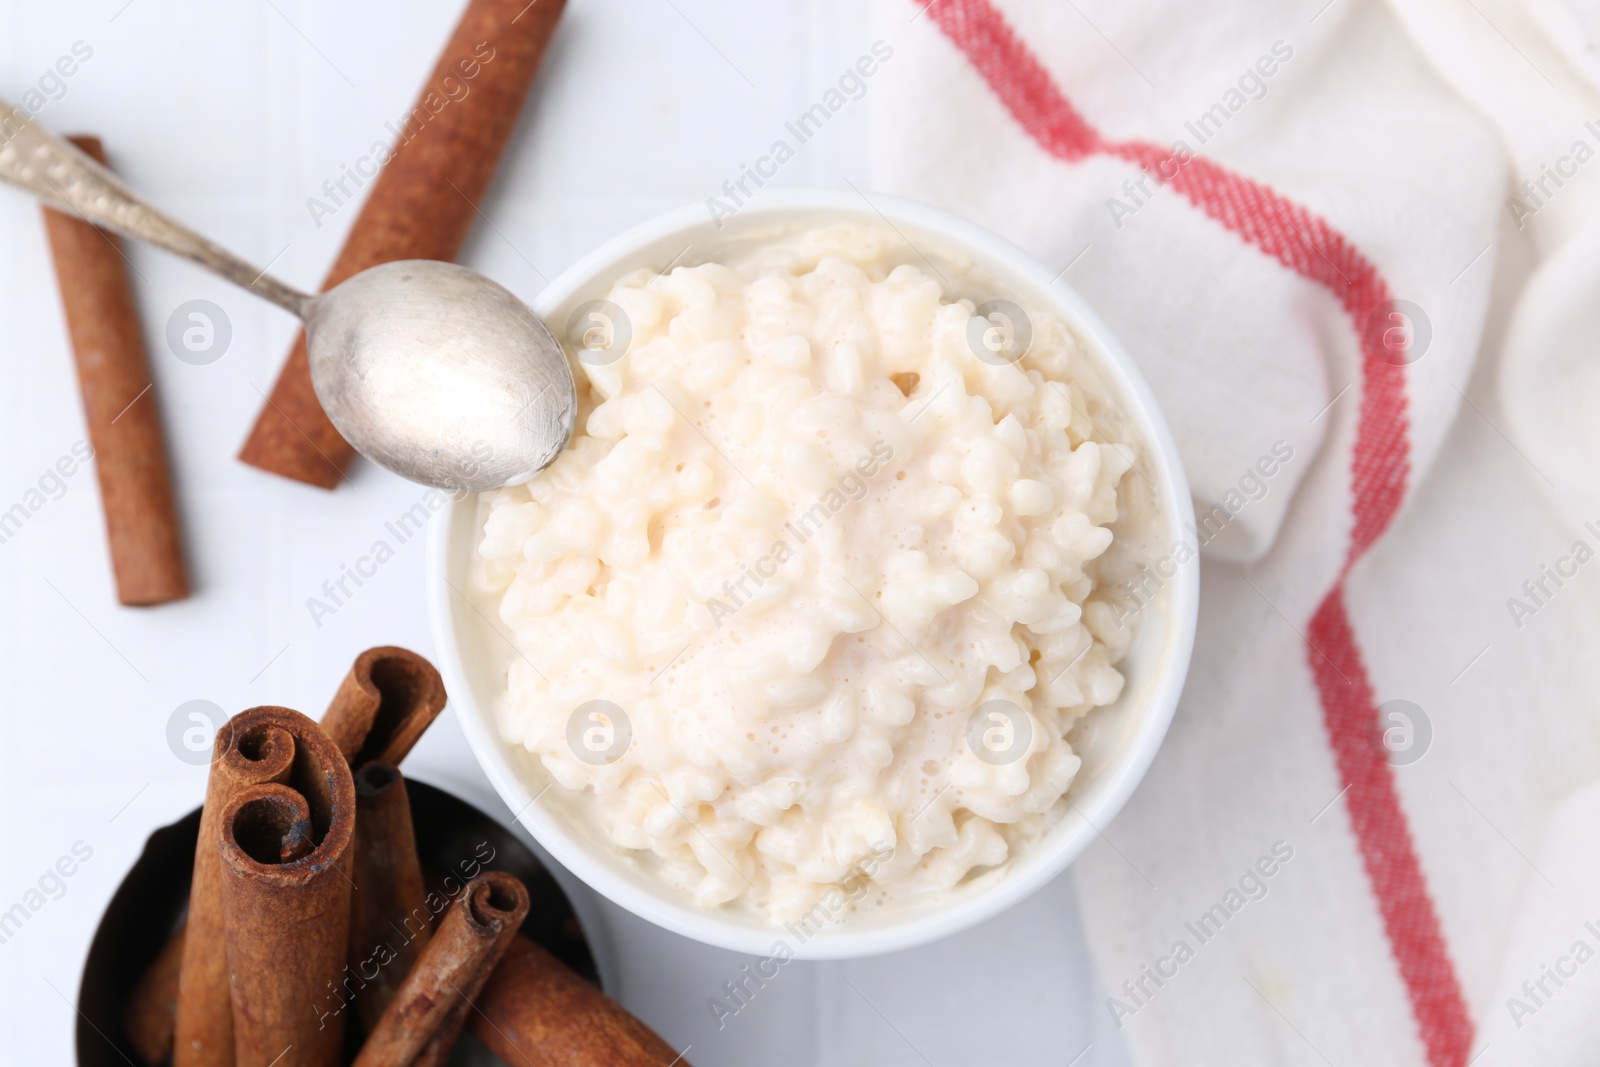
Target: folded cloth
{"type": "Point", "coordinates": [1297, 219]}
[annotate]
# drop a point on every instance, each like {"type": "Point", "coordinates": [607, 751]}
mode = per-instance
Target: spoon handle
{"type": "Point", "coordinates": [36, 160]}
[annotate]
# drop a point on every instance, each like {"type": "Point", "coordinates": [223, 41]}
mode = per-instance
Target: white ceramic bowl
{"type": "Point", "coordinates": [1118, 742]}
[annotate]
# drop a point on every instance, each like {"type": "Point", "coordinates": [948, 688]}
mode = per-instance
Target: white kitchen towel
{"type": "Point", "coordinates": [1299, 218]}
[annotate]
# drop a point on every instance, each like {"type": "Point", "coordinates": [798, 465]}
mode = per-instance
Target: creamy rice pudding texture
{"type": "Point", "coordinates": [817, 595]}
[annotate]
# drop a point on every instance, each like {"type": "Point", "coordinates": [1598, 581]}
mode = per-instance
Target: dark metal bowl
{"type": "Point", "coordinates": [150, 903]}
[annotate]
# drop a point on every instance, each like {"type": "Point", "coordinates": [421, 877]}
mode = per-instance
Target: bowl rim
{"type": "Point", "coordinates": [923, 924]}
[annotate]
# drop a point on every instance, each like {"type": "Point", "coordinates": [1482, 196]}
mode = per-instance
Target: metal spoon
{"type": "Point", "coordinates": [428, 368]}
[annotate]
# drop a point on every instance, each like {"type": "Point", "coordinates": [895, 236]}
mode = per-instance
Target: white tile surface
{"type": "Point", "coordinates": [231, 116]}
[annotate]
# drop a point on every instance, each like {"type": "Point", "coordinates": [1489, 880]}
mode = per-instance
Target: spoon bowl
{"type": "Point", "coordinates": [441, 375]}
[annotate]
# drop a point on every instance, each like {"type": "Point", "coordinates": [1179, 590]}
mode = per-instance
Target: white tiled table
{"type": "Point", "coordinates": [232, 116]}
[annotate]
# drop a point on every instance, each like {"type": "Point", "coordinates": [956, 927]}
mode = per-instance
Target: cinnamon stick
{"type": "Point", "coordinates": [390, 923]}
{"type": "Point", "coordinates": [421, 206]}
{"type": "Point", "coordinates": [423, 1021]}
{"type": "Point", "coordinates": [119, 407]}
{"type": "Point", "coordinates": [254, 748]}
{"type": "Point", "coordinates": [383, 705]}
{"type": "Point", "coordinates": [152, 1011]}
{"type": "Point", "coordinates": [535, 1012]}
{"type": "Point", "coordinates": [284, 856]}
{"type": "Point", "coordinates": [264, 745]}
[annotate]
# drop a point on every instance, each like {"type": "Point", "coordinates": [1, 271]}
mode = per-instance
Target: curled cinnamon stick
{"type": "Point", "coordinates": [390, 923]}
{"type": "Point", "coordinates": [261, 746]}
{"type": "Point", "coordinates": [421, 206]}
{"type": "Point", "coordinates": [535, 1012]}
{"type": "Point", "coordinates": [119, 407]}
{"type": "Point", "coordinates": [383, 706]}
{"type": "Point", "coordinates": [255, 747]}
{"type": "Point", "coordinates": [286, 909]}
{"type": "Point", "coordinates": [423, 1021]}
